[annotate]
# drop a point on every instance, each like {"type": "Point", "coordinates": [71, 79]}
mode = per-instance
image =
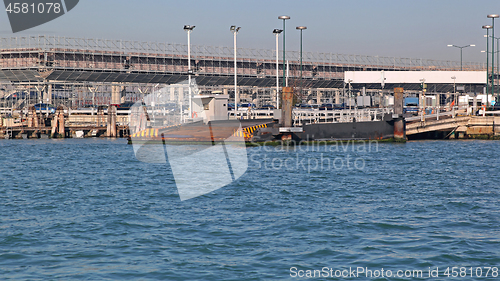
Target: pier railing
{"type": "Point", "coordinates": [314, 116]}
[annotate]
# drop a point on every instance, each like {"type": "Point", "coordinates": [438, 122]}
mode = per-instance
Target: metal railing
{"type": "Point", "coordinates": [49, 42]}
{"type": "Point", "coordinates": [314, 116]}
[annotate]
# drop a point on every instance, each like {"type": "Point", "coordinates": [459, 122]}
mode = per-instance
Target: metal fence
{"type": "Point", "coordinates": [48, 42]}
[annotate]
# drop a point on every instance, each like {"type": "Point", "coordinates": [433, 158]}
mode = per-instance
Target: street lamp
{"type": "Point", "coordinates": [487, 27]}
{"type": "Point", "coordinates": [277, 33]}
{"type": "Point", "coordinates": [454, 88]}
{"type": "Point", "coordinates": [461, 48]}
{"type": "Point", "coordinates": [492, 17]}
{"type": "Point", "coordinates": [422, 99]}
{"type": "Point", "coordinates": [235, 30]}
{"type": "Point", "coordinates": [498, 57]}
{"type": "Point", "coordinates": [189, 29]}
{"type": "Point", "coordinates": [498, 60]}
{"type": "Point", "coordinates": [284, 18]}
{"type": "Point", "coordinates": [301, 28]}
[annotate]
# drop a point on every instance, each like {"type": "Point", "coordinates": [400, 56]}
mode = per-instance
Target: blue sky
{"type": "Point", "coordinates": [413, 29]}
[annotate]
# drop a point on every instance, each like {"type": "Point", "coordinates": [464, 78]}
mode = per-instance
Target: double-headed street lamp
{"type": "Point", "coordinates": [277, 33]}
{"type": "Point", "coordinates": [284, 18]}
{"type": "Point", "coordinates": [461, 48]}
{"type": "Point", "coordinates": [235, 30]}
{"type": "Point", "coordinates": [189, 29]}
{"type": "Point", "coordinates": [492, 17]}
{"type": "Point", "coordinates": [301, 28]}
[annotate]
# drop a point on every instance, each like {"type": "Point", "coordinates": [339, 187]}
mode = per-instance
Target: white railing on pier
{"type": "Point", "coordinates": [313, 116]}
{"type": "Point", "coordinates": [441, 112]}
{"type": "Point", "coordinates": [251, 114]}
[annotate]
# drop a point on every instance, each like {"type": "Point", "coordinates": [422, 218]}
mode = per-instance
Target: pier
{"type": "Point", "coordinates": [86, 79]}
{"type": "Point", "coordinates": [455, 125]}
{"type": "Point", "coordinates": [64, 123]}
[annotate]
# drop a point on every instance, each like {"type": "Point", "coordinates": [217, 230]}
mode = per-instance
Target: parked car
{"type": "Point", "coordinates": [44, 107]}
{"type": "Point", "coordinates": [304, 106]}
{"type": "Point", "coordinates": [267, 106]}
{"type": "Point", "coordinates": [495, 107]}
{"type": "Point", "coordinates": [245, 106]}
{"type": "Point", "coordinates": [126, 105]}
{"type": "Point", "coordinates": [326, 106]}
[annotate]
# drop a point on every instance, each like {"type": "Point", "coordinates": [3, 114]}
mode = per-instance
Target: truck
{"type": "Point", "coordinates": [411, 105]}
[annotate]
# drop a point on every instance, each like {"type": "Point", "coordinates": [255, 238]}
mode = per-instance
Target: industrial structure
{"type": "Point", "coordinates": [77, 72]}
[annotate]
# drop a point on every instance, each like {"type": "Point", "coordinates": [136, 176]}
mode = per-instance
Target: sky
{"type": "Point", "coordinates": [402, 28]}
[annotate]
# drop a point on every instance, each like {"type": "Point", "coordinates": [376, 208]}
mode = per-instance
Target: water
{"type": "Point", "coordinates": [87, 209]}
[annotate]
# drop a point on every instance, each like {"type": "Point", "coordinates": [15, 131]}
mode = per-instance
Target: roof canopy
{"type": "Point", "coordinates": [412, 77]}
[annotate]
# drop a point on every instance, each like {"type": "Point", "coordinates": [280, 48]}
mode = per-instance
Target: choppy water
{"type": "Point", "coordinates": [87, 209]}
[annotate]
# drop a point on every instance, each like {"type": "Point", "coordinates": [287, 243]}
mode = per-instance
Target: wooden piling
{"type": "Point", "coordinates": [286, 107]}
{"type": "Point", "coordinates": [2, 132]}
{"type": "Point", "coordinates": [61, 126]}
{"type": "Point", "coordinates": [53, 125]}
{"type": "Point", "coordinates": [32, 118]}
{"type": "Point", "coordinates": [286, 112]}
{"type": "Point", "coordinates": [399, 122]}
{"type": "Point", "coordinates": [111, 127]}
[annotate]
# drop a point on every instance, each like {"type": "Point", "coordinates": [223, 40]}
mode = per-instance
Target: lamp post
{"type": "Point", "coordinates": [492, 17]}
{"type": "Point", "coordinates": [349, 95]}
{"type": "Point", "coordinates": [422, 99]}
{"type": "Point", "coordinates": [235, 30]}
{"type": "Point", "coordinates": [284, 18]}
{"type": "Point", "coordinates": [487, 27]}
{"type": "Point", "coordinates": [461, 48]}
{"type": "Point", "coordinates": [277, 33]}
{"type": "Point", "coordinates": [498, 59]}
{"type": "Point", "coordinates": [301, 28]}
{"type": "Point", "coordinates": [455, 90]}
{"type": "Point", "coordinates": [189, 29]}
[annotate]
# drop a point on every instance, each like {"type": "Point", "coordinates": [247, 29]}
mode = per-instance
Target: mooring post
{"type": "Point", "coordinates": [31, 113]}
{"type": "Point", "coordinates": [286, 112]}
{"type": "Point", "coordinates": [286, 107]}
{"type": "Point", "coordinates": [113, 123]}
{"type": "Point", "coordinates": [2, 134]}
{"type": "Point", "coordinates": [111, 126]}
{"type": "Point", "coordinates": [36, 123]}
{"type": "Point", "coordinates": [53, 124]}
{"type": "Point", "coordinates": [62, 128]}
{"type": "Point", "coordinates": [108, 123]}
{"type": "Point", "coordinates": [100, 116]}
{"type": "Point", "coordinates": [399, 122]}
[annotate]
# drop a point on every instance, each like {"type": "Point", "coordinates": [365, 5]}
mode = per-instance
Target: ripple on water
{"type": "Point", "coordinates": [87, 209]}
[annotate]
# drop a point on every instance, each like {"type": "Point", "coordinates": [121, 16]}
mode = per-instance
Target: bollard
{"type": "Point", "coordinates": [61, 125]}
{"type": "Point", "coordinates": [111, 126]}
{"type": "Point", "coordinates": [286, 107]}
{"type": "Point", "coordinates": [53, 126]}
{"type": "Point", "coordinates": [399, 122]}
{"type": "Point", "coordinates": [113, 123]}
